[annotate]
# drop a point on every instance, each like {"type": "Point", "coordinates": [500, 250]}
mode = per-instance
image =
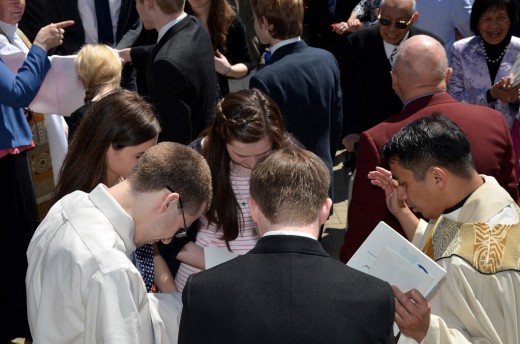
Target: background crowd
{"type": "Point", "coordinates": [206, 132]}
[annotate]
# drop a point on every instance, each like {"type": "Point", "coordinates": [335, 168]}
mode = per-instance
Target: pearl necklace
{"type": "Point", "coordinates": [498, 58]}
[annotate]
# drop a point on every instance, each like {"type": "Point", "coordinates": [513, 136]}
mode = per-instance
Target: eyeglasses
{"type": "Point", "coordinates": [400, 24]}
{"type": "Point", "coordinates": [182, 231]}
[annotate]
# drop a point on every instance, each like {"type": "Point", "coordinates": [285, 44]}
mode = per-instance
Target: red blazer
{"type": "Point", "coordinates": [491, 150]}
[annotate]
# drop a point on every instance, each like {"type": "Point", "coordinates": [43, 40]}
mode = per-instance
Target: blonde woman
{"type": "Point", "coordinates": [99, 69]}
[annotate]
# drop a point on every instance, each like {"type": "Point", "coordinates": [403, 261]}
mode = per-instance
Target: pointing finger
{"type": "Point", "coordinates": [64, 24]}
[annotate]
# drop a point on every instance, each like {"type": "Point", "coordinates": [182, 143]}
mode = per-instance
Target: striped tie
{"type": "Point", "coordinates": [392, 56]}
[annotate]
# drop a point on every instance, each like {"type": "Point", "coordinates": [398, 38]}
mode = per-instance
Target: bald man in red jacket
{"type": "Point", "coordinates": [419, 78]}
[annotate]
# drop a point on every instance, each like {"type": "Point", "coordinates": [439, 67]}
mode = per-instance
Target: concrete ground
{"type": "Point", "coordinates": [335, 227]}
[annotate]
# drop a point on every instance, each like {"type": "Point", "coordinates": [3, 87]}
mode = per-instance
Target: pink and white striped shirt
{"type": "Point", "coordinates": [208, 235]}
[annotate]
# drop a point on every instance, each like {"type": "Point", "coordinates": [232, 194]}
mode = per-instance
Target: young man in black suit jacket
{"type": "Point", "coordinates": [180, 69]}
{"type": "Point", "coordinates": [287, 289]}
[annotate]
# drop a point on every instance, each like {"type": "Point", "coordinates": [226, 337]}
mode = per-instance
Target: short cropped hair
{"type": "Point", "coordinates": [290, 186]}
{"type": "Point", "coordinates": [411, 11]}
{"type": "Point", "coordinates": [481, 6]}
{"type": "Point", "coordinates": [286, 16]}
{"type": "Point", "coordinates": [171, 6]}
{"type": "Point", "coordinates": [178, 167]}
{"type": "Point", "coordinates": [427, 142]}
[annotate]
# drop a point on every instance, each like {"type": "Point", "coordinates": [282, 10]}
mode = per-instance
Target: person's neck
{"type": "Point", "coordinates": [421, 90]}
{"type": "Point", "coordinates": [239, 170]}
{"type": "Point", "coordinates": [162, 19]}
{"type": "Point", "coordinates": [202, 13]}
{"type": "Point", "coordinates": [113, 179]}
{"type": "Point", "coordinates": [462, 188]}
{"type": "Point", "coordinates": [310, 229]}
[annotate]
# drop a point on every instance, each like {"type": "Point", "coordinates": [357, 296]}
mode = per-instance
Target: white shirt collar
{"type": "Point", "coordinates": [390, 47]}
{"type": "Point", "coordinates": [284, 42]}
{"type": "Point", "coordinates": [289, 232]}
{"type": "Point", "coordinates": [13, 37]}
{"type": "Point", "coordinates": [166, 27]}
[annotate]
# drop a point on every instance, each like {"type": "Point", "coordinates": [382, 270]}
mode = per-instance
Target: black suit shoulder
{"type": "Point", "coordinates": [268, 295]}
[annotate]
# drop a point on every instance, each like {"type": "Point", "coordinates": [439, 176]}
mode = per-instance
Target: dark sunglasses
{"type": "Point", "coordinates": [400, 24]}
{"type": "Point", "coordinates": [182, 231]}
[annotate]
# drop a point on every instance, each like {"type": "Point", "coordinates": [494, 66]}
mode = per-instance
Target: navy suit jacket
{"type": "Point", "coordinates": [287, 289]}
{"type": "Point", "coordinates": [491, 150]}
{"type": "Point", "coordinates": [305, 83]}
{"type": "Point", "coordinates": [365, 72]}
{"type": "Point", "coordinates": [128, 25]}
{"type": "Point", "coordinates": [181, 79]}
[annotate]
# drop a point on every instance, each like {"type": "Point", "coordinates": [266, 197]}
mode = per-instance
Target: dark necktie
{"type": "Point", "coordinates": [144, 263]}
{"type": "Point", "coordinates": [267, 56]}
{"type": "Point", "coordinates": [392, 56]}
{"type": "Point", "coordinates": [104, 22]}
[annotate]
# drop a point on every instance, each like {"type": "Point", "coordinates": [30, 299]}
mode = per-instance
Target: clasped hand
{"type": "Point", "coordinates": [504, 91]}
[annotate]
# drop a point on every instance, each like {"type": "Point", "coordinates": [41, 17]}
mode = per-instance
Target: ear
{"type": "Point", "coordinates": [264, 23]}
{"type": "Point", "coordinates": [439, 177]}
{"type": "Point", "coordinates": [325, 211]}
{"type": "Point", "coordinates": [376, 12]}
{"type": "Point", "coordinates": [415, 17]}
{"type": "Point", "coordinates": [449, 73]}
{"type": "Point", "coordinates": [253, 208]}
{"type": "Point", "coordinates": [395, 81]}
{"type": "Point", "coordinates": [169, 200]}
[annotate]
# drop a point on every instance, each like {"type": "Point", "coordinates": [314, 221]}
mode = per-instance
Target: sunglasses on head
{"type": "Point", "coordinates": [400, 24]}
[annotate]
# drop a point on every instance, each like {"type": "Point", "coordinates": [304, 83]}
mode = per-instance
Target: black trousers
{"type": "Point", "coordinates": [18, 221]}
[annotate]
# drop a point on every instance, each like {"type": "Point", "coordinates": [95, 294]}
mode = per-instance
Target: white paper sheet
{"type": "Point", "coordinates": [61, 91]}
{"type": "Point", "coordinates": [217, 255]}
{"type": "Point", "coordinates": [387, 255]}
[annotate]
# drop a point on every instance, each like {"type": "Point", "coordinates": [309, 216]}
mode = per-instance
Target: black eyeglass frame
{"type": "Point", "coordinates": [182, 231]}
{"type": "Point", "coordinates": [400, 24]}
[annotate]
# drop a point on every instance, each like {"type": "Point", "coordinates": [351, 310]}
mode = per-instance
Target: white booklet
{"type": "Point", "coordinates": [214, 256]}
{"type": "Point", "coordinates": [391, 257]}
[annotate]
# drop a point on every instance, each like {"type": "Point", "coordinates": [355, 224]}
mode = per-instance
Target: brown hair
{"type": "Point", "coordinates": [285, 16]}
{"type": "Point", "coordinates": [246, 116]}
{"type": "Point", "coordinates": [170, 6]}
{"type": "Point", "coordinates": [220, 17]}
{"type": "Point", "coordinates": [119, 119]}
{"type": "Point", "coordinates": [178, 167]}
{"type": "Point", "coordinates": [290, 186]}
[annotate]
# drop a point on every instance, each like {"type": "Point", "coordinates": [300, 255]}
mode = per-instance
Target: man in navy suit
{"type": "Point", "coordinates": [180, 69]}
{"type": "Point", "coordinates": [419, 77]}
{"type": "Point", "coordinates": [303, 81]}
{"type": "Point", "coordinates": [287, 289]}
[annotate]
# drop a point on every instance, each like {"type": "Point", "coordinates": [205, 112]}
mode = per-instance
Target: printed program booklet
{"type": "Point", "coordinates": [391, 257]}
